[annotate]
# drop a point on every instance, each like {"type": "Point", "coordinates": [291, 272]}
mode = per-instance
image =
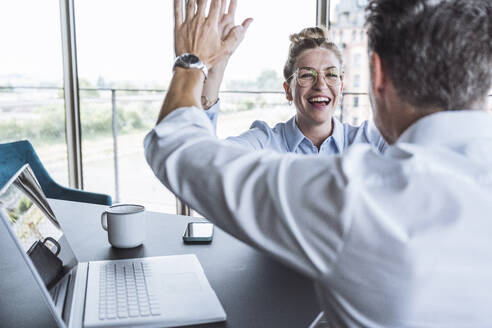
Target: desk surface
{"type": "Point", "coordinates": [254, 290]}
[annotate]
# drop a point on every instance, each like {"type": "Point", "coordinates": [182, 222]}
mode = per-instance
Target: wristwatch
{"type": "Point", "coordinates": [187, 60]}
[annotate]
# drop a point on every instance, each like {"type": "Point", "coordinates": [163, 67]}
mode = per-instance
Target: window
{"type": "Point", "coordinates": [125, 55]}
{"type": "Point", "coordinates": [31, 80]}
{"type": "Point", "coordinates": [125, 52]}
{"type": "Point", "coordinates": [354, 53]}
{"type": "Point", "coordinates": [357, 61]}
{"type": "Point", "coordinates": [356, 81]}
{"type": "Point", "coordinates": [356, 101]}
{"type": "Point", "coordinates": [124, 48]}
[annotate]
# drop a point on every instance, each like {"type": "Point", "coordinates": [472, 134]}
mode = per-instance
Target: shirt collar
{"type": "Point", "coordinates": [448, 126]}
{"type": "Point", "coordinates": [337, 135]}
{"type": "Point", "coordinates": [294, 136]}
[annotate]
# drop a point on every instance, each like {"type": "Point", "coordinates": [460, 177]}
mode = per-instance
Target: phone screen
{"type": "Point", "coordinates": [199, 232]}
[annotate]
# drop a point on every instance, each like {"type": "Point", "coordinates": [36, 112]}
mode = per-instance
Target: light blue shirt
{"type": "Point", "coordinates": [286, 137]}
{"type": "Point", "coordinates": [400, 239]}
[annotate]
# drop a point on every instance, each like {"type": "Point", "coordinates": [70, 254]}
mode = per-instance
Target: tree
{"type": "Point", "coordinates": [84, 83]}
{"type": "Point", "coordinates": [101, 83]}
{"type": "Point", "coordinates": [268, 80]}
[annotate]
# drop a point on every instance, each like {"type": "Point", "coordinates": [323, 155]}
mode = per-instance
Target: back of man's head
{"type": "Point", "coordinates": [438, 53]}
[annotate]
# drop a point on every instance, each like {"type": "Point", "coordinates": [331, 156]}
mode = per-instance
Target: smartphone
{"type": "Point", "coordinates": [198, 232]}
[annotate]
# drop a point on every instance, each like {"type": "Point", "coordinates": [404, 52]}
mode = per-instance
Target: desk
{"type": "Point", "coordinates": [254, 290]}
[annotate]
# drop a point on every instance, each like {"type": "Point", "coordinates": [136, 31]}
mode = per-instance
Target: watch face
{"type": "Point", "coordinates": [190, 59]}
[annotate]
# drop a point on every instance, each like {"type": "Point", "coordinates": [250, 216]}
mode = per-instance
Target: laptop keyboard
{"type": "Point", "coordinates": [124, 291]}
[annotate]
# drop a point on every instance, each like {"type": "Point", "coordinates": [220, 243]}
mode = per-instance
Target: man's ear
{"type": "Point", "coordinates": [288, 93]}
{"type": "Point", "coordinates": [378, 79]}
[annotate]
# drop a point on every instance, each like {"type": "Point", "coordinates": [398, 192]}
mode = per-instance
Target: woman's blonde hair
{"type": "Point", "coordinates": [309, 38]}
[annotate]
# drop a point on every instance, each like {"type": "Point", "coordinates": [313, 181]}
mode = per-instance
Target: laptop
{"type": "Point", "coordinates": [164, 291]}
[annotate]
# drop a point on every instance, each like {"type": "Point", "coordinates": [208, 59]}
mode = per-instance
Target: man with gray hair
{"type": "Point", "coordinates": [400, 239]}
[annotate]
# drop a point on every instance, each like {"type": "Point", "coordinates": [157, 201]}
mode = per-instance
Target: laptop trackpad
{"type": "Point", "coordinates": [185, 282]}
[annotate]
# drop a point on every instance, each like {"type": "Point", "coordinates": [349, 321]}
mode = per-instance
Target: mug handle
{"type": "Point", "coordinates": [54, 242]}
{"type": "Point", "coordinates": [104, 220]}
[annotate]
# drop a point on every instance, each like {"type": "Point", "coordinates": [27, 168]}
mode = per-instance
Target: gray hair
{"type": "Point", "coordinates": [438, 53]}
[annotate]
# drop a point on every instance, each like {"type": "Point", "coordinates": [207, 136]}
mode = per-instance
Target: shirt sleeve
{"type": "Point", "coordinates": [375, 137]}
{"type": "Point", "coordinates": [253, 139]}
{"type": "Point", "coordinates": [257, 137]}
{"type": "Point", "coordinates": [291, 206]}
{"type": "Point", "coordinates": [367, 132]}
{"type": "Point", "coordinates": [212, 113]}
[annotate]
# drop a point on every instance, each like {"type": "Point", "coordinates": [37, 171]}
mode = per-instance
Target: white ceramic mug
{"type": "Point", "coordinates": [125, 224]}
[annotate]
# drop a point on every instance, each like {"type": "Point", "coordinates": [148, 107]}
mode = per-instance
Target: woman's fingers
{"type": "Point", "coordinates": [236, 35]}
{"type": "Point", "coordinates": [232, 8]}
{"type": "Point", "coordinates": [223, 7]}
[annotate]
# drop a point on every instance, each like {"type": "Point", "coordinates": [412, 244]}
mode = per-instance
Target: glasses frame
{"type": "Point", "coordinates": [322, 72]}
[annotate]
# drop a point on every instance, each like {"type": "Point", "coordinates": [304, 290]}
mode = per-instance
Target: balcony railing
{"type": "Point", "coordinates": [354, 108]}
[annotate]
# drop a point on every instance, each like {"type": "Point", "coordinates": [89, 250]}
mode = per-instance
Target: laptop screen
{"type": "Point", "coordinates": [31, 219]}
{"type": "Point", "coordinates": [25, 207]}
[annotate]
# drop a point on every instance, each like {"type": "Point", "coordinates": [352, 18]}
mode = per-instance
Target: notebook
{"type": "Point", "coordinates": [164, 291]}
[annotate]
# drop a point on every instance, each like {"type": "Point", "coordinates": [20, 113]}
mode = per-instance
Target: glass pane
{"type": "Point", "coordinates": [136, 112]}
{"type": "Point", "coordinates": [123, 48]}
{"type": "Point", "coordinates": [127, 46]}
{"type": "Point", "coordinates": [347, 31]}
{"type": "Point", "coordinates": [31, 81]}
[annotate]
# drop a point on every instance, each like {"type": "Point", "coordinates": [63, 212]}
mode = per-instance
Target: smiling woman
{"type": "Point", "coordinates": [315, 88]}
{"type": "Point", "coordinates": [313, 82]}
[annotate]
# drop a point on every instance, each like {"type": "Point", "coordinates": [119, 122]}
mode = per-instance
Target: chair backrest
{"type": "Point", "coordinates": [14, 155]}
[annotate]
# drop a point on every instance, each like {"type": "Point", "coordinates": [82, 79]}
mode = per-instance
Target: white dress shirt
{"type": "Point", "coordinates": [400, 239]}
{"type": "Point", "coordinates": [286, 137]}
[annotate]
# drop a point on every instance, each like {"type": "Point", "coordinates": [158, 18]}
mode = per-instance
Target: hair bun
{"type": "Point", "coordinates": [309, 33]}
{"type": "Point", "coordinates": [309, 38]}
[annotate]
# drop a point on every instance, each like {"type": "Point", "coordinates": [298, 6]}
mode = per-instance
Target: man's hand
{"type": "Point", "coordinates": [201, 35]}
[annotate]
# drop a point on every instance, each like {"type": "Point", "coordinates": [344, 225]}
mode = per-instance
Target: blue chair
{"type": "Point", "coordinates": [14, 155]}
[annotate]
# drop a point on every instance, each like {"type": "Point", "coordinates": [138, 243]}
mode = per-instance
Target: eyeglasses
{"type": "Point", "coordinates": [307, 76]}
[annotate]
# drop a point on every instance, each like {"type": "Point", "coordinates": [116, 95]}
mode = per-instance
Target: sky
{"type": "Point", "coordinates": [132, 40]}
